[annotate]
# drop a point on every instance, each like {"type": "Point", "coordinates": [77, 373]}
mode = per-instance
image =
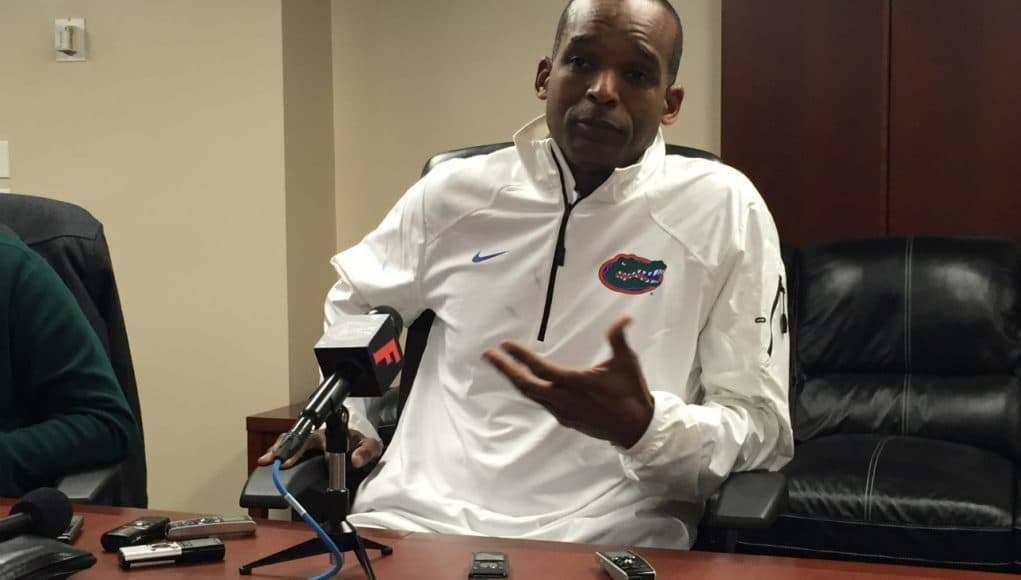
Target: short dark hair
{"type": "Point", "coordinates": [675, 54]}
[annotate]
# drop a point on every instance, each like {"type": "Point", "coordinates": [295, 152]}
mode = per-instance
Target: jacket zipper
{"type": "Point", "coordinates": [780, 298]}
{"type": "Point", "coordinates": [560, 254]}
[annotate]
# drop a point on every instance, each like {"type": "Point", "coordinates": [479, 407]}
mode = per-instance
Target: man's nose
{"type": "Point", "coordinates": [603, 89]}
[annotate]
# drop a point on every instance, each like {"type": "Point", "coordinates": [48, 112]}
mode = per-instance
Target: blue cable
{"type": "Point", "coordinates": [338, 556]}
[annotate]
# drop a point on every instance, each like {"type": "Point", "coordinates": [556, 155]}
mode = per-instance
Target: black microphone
{"type": "Point", "coordinates": [359, 356]}
{"type": "Point", "coordinates": [43, 512]}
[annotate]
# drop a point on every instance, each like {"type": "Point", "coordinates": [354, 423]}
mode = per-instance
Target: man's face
{"type": "Point", "coordinates": [607, 87]}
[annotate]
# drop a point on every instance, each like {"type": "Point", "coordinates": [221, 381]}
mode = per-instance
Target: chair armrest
{"type": "Point", "coordinates": [259, 491]}
{"type": "Point", "coordinates": [89, 486]}
{"type": "Point", "coordinates": [748, 500]}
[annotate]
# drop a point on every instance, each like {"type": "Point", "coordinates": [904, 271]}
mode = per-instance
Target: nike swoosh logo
{"type": "Point", "coordinates": [478, 257]}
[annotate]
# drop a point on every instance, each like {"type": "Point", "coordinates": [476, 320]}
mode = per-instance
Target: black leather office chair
{"type": "Point", "coordinates": [906, 404]}
{"type": "Point", "coordinates": [73, 243]}
{"type": "Point", "coordinates": [746, 500]}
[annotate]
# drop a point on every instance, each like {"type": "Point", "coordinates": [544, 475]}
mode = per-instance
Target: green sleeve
{"type": "Point", "coordinates": [71, 411]}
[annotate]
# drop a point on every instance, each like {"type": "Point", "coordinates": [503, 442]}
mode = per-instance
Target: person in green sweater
{"type": "Point", "coordinates": [61, 408]}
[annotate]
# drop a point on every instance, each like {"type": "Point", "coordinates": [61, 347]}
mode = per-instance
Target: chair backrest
{"type": "Point", "coordinates": [464, 152]}
{"type": "Point", "coordinates": [909, 336]}
{"type": "Point", "coordinates": [418, 332]}
{"type": "Point", "coordinates": [72, 241]}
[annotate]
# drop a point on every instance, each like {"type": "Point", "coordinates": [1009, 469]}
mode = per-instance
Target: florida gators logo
{"type": "Point", "coordinates": [631, 274]}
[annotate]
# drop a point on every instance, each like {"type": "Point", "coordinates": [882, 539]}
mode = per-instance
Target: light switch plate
{"type": "Point", "coordinates": [5, 162]}
{"type": "Point", "coordinates": [80, 39]}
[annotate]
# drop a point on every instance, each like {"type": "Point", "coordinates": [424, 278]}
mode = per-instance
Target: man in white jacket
{"type": "Point", "coordinates": [532, 414]}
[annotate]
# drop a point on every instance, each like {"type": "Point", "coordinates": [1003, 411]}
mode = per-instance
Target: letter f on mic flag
{"type": "Point", "coordinates": [364, 349]}
{"type": "Point", "coordinates": [389, 354]}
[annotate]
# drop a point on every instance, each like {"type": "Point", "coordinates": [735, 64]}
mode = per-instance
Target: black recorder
{"type": "Point", "coordinates": [73, 531]}
{"type": "Point", "coordinates": [488, 566]}
{"type": "Point", "coordinates": [625, 565]}
{"type": "Point", "coordinates": [184, 552]}
{"type": "Point", "coordinates": [141, 531]}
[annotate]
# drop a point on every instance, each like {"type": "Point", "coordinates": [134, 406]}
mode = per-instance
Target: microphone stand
{"type": "Point", "coordinates": [337, 505]}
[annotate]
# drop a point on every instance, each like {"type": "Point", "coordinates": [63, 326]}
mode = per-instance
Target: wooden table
{"type": "Point", "coordinates": [433, 556]}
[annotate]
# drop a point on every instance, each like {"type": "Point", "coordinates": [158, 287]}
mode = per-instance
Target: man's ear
{"type": "Point", "coordinates": [672, 104]}
{"type": "Point", "coordinates": [542, 77]}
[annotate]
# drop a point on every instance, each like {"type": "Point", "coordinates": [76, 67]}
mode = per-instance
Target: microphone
{"type": "Point", "coordinates": [44, 512]}
{"type": "Point", "coordinates": [359, 356]}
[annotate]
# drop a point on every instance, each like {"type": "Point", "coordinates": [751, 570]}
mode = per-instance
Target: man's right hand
{"type": "Point", "coordinates": [364, 450]}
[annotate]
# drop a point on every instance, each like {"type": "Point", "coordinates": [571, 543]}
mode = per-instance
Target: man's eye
{"type": "Point", "coordinates": [577, 62]}
{"type": "Point", "coordinates": [637, 76]}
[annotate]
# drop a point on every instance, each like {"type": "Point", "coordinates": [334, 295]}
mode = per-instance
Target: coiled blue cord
{"type": "Point", "coordinates": [338, 556]}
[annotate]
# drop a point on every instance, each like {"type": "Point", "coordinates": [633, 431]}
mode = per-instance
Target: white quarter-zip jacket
{"type": "Point", "coordinates": [500, 247]}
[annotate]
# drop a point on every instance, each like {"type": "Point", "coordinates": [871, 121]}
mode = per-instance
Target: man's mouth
{"type": "Point", "coordinates": [598, 125]}
{"type": "Point", "coordinates": [598, 131]}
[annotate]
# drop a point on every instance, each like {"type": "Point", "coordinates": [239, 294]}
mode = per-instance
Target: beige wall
{"type": "Point", "coordinates": [199, 132]}
{"type": "Point", "coordinates": [173, 135]}
{"type": "Point", "coordinates": [414, 78]}
{"type": "Point", "coordinates": [308, 156]}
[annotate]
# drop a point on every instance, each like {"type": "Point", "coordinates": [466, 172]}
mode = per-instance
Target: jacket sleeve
{"type": "Point", "coordinates": [381, 270]}
{"type": "Point", "coordinates": [743, 421]}
{"type": "Point", "coordinates": [73, 412]}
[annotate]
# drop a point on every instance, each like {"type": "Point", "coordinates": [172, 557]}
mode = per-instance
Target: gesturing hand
{"type": "Point", "coordinates": [364, 450]}
{"type": "Point", "coordinates": [609, 401]}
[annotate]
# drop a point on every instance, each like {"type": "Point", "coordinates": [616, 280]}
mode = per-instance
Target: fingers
{"type": "Point", "coordinates": [360, 457]}
{"type": "Point", "coordinates": [268, 457]}
{"type": "Point", "coordinates": [519, 366]}
{"type": "Point", "coordinates": [316, 440]}
{"type": "Point", "coordinates": [365, 449]}
{"type": "Point", "coordinates": [618, 342]}
{"type": "Point", "coordinates": [519, 374]}
{"type": "Point", "coordinates": [290, 461]}
{"type": "Point", "coordinates": [539, 366]}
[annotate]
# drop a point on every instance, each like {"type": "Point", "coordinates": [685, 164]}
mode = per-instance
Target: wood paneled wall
{"type": "Point", "coordinates": [863, 118]}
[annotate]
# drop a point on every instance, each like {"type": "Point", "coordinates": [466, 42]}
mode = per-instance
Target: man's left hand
{"type": "Point", "coordinates": [609, 401]}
